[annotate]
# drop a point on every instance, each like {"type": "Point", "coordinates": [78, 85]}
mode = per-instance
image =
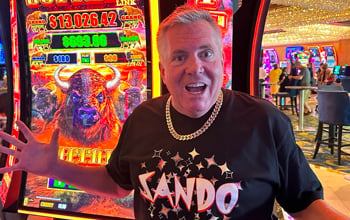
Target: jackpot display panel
{"type": "Point", "coordinates": [88, 71]}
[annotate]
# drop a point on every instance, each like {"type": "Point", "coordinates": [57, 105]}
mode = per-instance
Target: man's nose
{"type": "Point", "coordinates": [194, 65]}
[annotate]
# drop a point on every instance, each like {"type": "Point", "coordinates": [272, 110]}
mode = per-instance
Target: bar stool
{"type": "Point", "coordinates": [334, 110]}
{"type": "Point", "coordinates": [292, 94]}
{"type": "Point", "coordinates": [331, 88]}
{"type": "Point", "coordinates": [327, 88]}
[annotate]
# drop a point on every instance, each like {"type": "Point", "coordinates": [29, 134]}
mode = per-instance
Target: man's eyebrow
{"type": "Point", "coordinates": [180, 51]}
{"type": "Point", "coordinates": [206, 46]}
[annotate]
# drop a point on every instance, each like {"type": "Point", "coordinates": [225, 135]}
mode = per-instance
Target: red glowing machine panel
{"type": "Point", "coordinates": [222, 12]}
{"type": "Point", "coordinates": [88, 71]}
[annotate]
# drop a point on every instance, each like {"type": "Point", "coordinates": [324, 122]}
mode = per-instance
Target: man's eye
{"type": "Point", "coordinates": [178, 58]}
{"type": "Point", "coordinates": [207, 53]}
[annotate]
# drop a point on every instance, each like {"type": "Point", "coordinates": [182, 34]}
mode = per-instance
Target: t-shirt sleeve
{"type": "Point", "coordinates": [299, 186]}
{"type": "Point", "coordinates": [117, 169]}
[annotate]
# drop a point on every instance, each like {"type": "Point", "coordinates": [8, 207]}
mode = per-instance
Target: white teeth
{"type": "Point", "coordinates": [195, 85]}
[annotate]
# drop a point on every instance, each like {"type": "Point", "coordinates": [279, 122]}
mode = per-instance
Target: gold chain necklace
{"type": "Point", "coordinates": [200, 131]}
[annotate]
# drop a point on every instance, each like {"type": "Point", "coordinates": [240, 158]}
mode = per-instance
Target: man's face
{"type": "Point", "coordinates": [192, 67]}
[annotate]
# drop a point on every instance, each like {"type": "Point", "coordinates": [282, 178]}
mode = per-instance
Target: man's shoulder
{"type": "Point", "coordinates": [246, 106]}
{"type": "Point", "coordinates": [153, 104]}
{"type": "Point", "coordinates": [241, 98]}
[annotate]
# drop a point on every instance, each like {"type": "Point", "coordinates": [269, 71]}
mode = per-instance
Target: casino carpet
{"type": "Point", "coordinates": [306, 142]}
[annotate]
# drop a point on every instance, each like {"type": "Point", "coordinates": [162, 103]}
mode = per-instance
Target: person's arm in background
{"type": "Point", "coordinates": [41, 159]}
{"type": "Point", "coordinates": [298, 77]}
{"type": "Point", "coordinates": [282, 79]}
{"type": "Point", "coordinates": [319, 210]}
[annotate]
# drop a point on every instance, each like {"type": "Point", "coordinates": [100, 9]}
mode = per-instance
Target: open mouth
{"type": "Point", "coordinates": [195, 87]}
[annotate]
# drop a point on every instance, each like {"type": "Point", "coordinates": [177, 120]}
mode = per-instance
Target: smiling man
{"type": "Point", "coordinates": [191, 65]}
{"type": "Point", "coordinates": [200, 152]}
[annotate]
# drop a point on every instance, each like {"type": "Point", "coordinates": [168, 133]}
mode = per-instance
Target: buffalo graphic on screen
{"type": "Point", "coordinates": [87, 114]}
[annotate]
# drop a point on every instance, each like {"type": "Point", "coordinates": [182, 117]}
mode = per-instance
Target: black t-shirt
{"type": "Point", "coordinates": [284, 83]}
{"type": "Point", "coordinates": [246, 159]}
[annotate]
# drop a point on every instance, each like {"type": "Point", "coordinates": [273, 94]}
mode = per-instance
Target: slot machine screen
{"type": "Point", "coordinates": [270, 58]}
{"type": "Point", "coordinates": [337, 70]}
{"type": "Point", "coordinates": [2, 54]}
{"type": "Point", "coordinates": [292, 50]}
{"type": "Point", "coordinates": [329, 50]}
{"type": "Point", "coordinates": [88, 73]}
{"type": "Point", "coordinates": [315, 55]}
{"type": "Point", "coordinates": [331, 57]}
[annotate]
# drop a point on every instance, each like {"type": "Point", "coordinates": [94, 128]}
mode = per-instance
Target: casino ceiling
{"type": "Point", "coordinates": [306, 21]}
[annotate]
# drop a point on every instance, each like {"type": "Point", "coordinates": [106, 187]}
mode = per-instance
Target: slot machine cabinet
{"type": "Point", "coordinates": [270, 57]}
{"type": "Point", "coordinates": [315, 57]}
{"type": "Point", "coordinates": [5, 68]}
{"type": "Point", "coordinates": [329, 55]}
{"type": "Point", "coordinates": [10, 182]}
{"type": "Point", "coordinates": [247, 25]}
{"type": "Point", "coordinates": [103, 50]}
{"type": "Point", "coordinates": [248, 28]}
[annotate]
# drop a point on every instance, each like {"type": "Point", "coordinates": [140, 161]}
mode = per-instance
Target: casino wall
{"type": "Point", "coordinates": [342, 48]}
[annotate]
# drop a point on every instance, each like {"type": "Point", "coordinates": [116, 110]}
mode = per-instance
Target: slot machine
{"type": "Point", "coordinates": [315, 57]}
{"type": "Point", "coordinates": [83, 67]}
{"type": "Point", "coordinates": [270, 58]}
{"type": "Point", "coordinates": [330, 56]}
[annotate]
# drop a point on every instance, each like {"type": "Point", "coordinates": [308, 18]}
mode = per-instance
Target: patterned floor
{"type": "Point", "coordinates": [306, 141]}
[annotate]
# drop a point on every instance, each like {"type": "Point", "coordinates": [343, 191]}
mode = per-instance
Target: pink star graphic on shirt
{"type": "Point", "coordinates": [161, 164]}
{"type": "Point", "coordinates": [164, 211]}
{"type": "Point", "coordinates": [200, 166]}
{"type": "Point", "coordinates": [176, 158]}
{"type": "Point", "coordinates": [224, 168]}
{"type": "Point", "coordinates": [213, 180]}
{"type": "Point", "coordinates": [211, 161]}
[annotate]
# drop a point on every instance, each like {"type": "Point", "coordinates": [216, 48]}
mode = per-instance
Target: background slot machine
{"type": "Point", "coordinates": [330, 56]}
{"type": "Point", "coordinates": [270, 58]}
{"type": "Point", "coordinates": [315, 57]}
{"type": "Point", "coordinates": [85, 69]}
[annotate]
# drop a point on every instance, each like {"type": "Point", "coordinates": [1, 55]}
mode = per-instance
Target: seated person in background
{"type": "Point", "coordinates": [283, 80]}
{"type": "Point", "coordinates": [274, 76]}
{"type": "Point", "coordinates": [323, 75]}
{"type": "Point", "coordinates": [331, 79]}
{"type": "Point", "coordinates": [200, 152]}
